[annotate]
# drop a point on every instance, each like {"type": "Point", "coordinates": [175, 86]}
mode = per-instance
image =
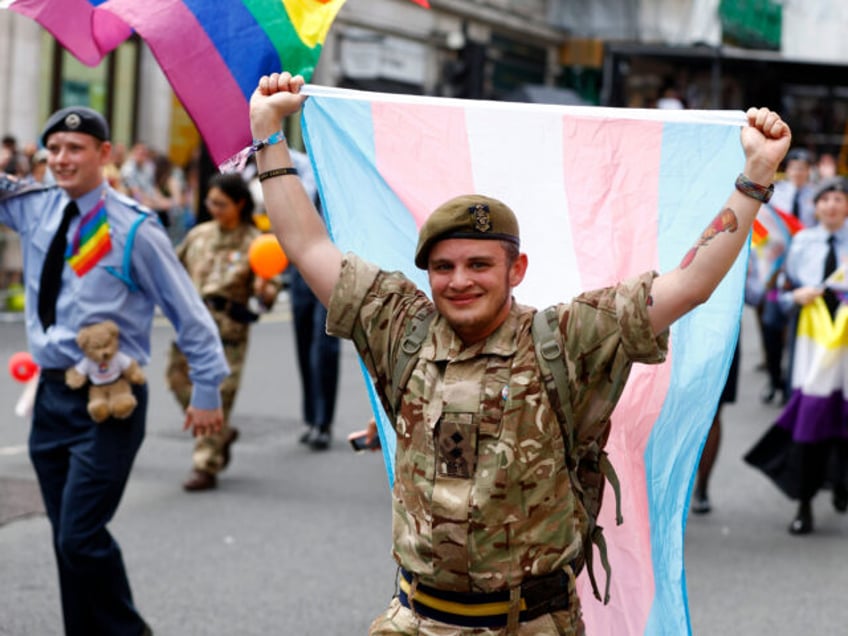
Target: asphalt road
{"type": "Point", "coordinates": [298, 542]}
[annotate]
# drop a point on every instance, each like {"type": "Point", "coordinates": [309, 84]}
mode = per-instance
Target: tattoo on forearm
{"type": "Point", "coordinates": [725, 221]}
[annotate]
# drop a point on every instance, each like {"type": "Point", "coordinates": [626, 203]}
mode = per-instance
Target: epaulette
{"type": "Point", "coordinates": [130, 202]}
{"type": "Point", "coordinates": [10, 188]}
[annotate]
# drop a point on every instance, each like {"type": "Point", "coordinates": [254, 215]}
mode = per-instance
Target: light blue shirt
{"type": "Point", "coordinates": [805, 259]}
{"type": "Point", "coordinates": [99, 295]}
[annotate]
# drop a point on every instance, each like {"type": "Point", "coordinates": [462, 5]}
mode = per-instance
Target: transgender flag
{"type": "Point", "coordinates": [600, 194]}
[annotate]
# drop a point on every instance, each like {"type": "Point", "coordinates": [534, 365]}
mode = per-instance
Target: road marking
{"type": "Point", "coordinates": [12, 450]}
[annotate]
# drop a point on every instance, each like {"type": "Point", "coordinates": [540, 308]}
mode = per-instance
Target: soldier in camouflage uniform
{"type": "Point", "coordinates": [485, 522]}
{"type": "Point", "coordinates": [215, 255]}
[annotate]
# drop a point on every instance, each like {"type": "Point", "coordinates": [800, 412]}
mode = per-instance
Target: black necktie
{"type": "Point", "coordinates": [830, 298]}
{"type": "Point", "coordinates": [796, 204]}
{"type": "Point", "coordinates": [51, 272]}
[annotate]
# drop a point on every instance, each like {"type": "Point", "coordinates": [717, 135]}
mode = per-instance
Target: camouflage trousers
{"type": "Point", "coordinates": [398, 620]}
{"type": "Point", "coordinates": [207, 454]}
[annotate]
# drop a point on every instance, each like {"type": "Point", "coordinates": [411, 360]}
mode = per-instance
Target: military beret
{"type": "Point", "coordinates": [471, 216]}
{"type": "Point", "coordinates": [833, 184]}
{"type": "Point", "coordinates": [76, 119]}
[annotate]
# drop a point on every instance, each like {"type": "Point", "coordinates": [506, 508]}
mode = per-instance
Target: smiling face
{"type": "Point", "coordinates": [76, 161]}
{"type": "Point", "coordinates": [832, 209]}
{"type": "Point", "coordinates": [471, 281]}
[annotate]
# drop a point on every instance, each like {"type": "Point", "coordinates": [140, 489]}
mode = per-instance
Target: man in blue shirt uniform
{"type": "Point", "coordinates": [82, 466]}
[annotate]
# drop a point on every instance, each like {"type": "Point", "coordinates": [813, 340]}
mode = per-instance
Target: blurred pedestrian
{"type": "Point", "coordinates": [794, 193]}
{"type": "Point", "coordinates": [215, 254]}
{"type": "Point", "coordinates": [807, 447]}
{"type": "Point", "coordinates": [138, 173]}
{"type": "Point", "coordinates": [12, 160]}
{"type": "Point", "coordinates": [700, 498]}
{"type": "Point", "coordinates": [317, 351]}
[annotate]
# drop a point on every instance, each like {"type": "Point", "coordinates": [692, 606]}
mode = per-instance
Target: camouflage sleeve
{"type": "Point", "coordinates": [605, 332]}
{"type": "Point", "coordinates": [372, 307]}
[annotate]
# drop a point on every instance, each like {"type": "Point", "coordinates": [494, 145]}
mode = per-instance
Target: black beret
{"type": "Point", "coordinates": [468, 216]}
{"type": "Point", "coordinates": [76, 119]}
{"type": "Point", "coordinates": [833, 184]}
{"type": "Point", "coordinates": [799, 154]}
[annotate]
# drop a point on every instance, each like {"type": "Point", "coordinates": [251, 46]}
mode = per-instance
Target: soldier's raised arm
{"type": "Point", "coordinates": [294, 219]}
{"type": "Point", "coordinates": [765, 141]}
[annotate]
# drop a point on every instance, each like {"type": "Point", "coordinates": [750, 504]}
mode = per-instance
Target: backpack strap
{"type": "Point", "coordinates": [549, 354]}
{"type": "Point", "coordinates": [416, 331]}
{"type": "Point", "coordinates": [125, 273]}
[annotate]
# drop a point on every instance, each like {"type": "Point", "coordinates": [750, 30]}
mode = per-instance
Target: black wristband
{"type": "Point", "coordinates": [754, 190]}
{"type": "Point", "coordinates": [277, 172]}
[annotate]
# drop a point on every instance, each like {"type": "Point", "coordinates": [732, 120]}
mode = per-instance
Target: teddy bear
{"type": "Point", "coordinates": [110, 372]}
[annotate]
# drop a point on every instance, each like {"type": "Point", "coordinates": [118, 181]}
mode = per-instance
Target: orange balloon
{"type": "Point", "coordinates": [22, 367]}
{"type": "Point", "coordinates": [266, 257]}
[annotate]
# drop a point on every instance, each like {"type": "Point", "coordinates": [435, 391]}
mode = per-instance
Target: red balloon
{"type": "Point", "coordinates": [266, 257]}
{"type": "Point", "coordinates": [22, 367]}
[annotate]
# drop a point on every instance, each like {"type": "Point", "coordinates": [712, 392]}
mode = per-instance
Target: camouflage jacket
{"type": "Point", "coordinates": [482, 497]}
{"type": "Point", "coordinates": [216, 261]}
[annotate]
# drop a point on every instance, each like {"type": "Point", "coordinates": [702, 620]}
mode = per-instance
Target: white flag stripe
{"type": "Point", "coordinates": [529, 178]}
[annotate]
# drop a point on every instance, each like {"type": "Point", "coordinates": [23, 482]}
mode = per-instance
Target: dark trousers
{"type": "Point", "coordinates": [317, 355]}
{"type": "Point", "coordinates": [82, 469]}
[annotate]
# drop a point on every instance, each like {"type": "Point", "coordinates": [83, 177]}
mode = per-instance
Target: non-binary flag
{"type": "Point", "coordinates": [213, 52]}
{"type": "Point", "coordinates": [600, 194]}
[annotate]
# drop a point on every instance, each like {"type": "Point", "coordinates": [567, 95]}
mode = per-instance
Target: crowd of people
{"type": "Point", "coordinates": [473, 395]}
{"type": "Point", "coordinates": [146, 175]}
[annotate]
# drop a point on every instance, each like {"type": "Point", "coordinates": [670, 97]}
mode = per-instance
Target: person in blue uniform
{"type": "Point", "coordinates": [317, 351]}
{"type": "Point", "coordinates": [83, 467]}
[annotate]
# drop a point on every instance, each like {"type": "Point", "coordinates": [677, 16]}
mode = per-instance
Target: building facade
{"type": "Point", "coordinates": [788, 55]}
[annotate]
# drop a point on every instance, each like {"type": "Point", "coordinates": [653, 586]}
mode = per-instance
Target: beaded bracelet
{"type": "Point", "coordinates": [754, 190]}
{"type": "Point", "coordinates": [276, 172]}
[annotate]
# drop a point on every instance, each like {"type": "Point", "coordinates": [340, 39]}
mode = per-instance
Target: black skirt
{"type": "Point", "coordinates": [799, 469]}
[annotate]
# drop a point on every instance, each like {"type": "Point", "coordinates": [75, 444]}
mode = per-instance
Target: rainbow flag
{"type": "Point", "coordinates": [771, 236]}
{"type": "Point", "coordinates": [759, 233]}
{"type": "Point", "coordinates": [91, 242]}
{"type": "Point", "coordinates": [600, 194]}
{"type": "Point", "coordinates": [212, 52]}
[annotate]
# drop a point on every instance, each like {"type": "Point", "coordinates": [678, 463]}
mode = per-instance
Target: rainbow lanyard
{"type": "Point", "coordinates": [92, 240]}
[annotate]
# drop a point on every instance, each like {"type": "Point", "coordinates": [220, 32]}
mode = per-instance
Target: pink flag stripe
{"type": "Point", "coordinates": [439, 164]}
{"type": "Point", "coordinates": [195, 69]}
{"type": "Point", "coordinates": [86, 32]}
{"type": "Point", "coordinates": [622, 196]}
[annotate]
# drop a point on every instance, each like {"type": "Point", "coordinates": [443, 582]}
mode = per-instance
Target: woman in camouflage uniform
{"type": "Point", "coordinates": [215, 255]}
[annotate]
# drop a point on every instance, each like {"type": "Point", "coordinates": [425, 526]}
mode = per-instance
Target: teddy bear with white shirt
{"type": "Point", "coordinates": [109, 371]}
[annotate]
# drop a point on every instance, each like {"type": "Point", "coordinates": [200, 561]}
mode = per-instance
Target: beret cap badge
{"type": "Point", "coordinates": [482, 220]}
{"type": "Point", "coordinates": [73, 121]}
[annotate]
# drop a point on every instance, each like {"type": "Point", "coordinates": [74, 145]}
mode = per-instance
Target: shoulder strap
{"type": "Point", "coordinates": [554, 372]}
{"type": "Point", "coordinates": [416, 330]}
{"type": "Point", "coordinates": [125, 273]}
{"type": "Point", "coordinates": [549, 354]}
